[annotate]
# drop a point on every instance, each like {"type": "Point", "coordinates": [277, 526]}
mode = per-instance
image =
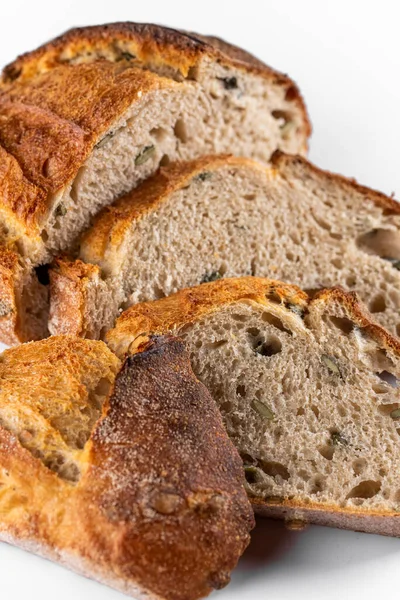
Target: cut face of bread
{"type": "Point", "coordinates": [124, 474]}
{"type": "Point", "coordinates": [247, 98]}
{"type": "Point", "coordinates": [97, 111]}
{"type": "Point", "coordinates": [223, 217]}
{"type": "Point", "coordinates": [88, 116]}
{"type": "Point", "coordinates": [308, 390]}
{"type": "Point", "coordinates": [23, 300]}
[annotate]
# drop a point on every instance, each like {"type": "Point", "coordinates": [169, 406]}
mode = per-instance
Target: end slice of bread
{"type": "Point", "coordinates": [225, 217]}
{"type": "Point", "coordinates": [123, 473]}
{"type": "Point", "coordinates": [308, 390]}
{"type": "Point", "coordinates": [24, 303]}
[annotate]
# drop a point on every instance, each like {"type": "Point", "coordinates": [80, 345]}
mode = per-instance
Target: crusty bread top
{"type": "Point", "coordinates": [45, 134]}
{"type": "Point", "coordinates": [145, 43]}
{"type": "Point", "coordinates": [112, 223]}
{"type": "Point", "coordinates": [191, 304]}
{"type": "Point", "coordinates": [159, 506]}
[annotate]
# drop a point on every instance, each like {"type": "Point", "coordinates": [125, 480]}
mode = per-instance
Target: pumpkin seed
{"type": "Point", "coordinates": [208, 277]}
{"type": "Point", "coordinates": [251, 473]}
{"type": "Point", "coordinates": [263, 410]}
{"type": "Point", "coordinates": [298, 310]}
{"type": "Point", "coordinates": [395, 414]}
{"type": "Point", "coordinates": [331, 364]}
{"type": "Point", "coordinates": [144, 155]}
{"type": "Point", "coordinates": [104, 140]}
{"type": "Point", "coordinates": [229, 83]}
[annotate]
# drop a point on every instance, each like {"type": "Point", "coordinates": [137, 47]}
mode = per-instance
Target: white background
{"type": "Point", "coordinates": [345, 55]}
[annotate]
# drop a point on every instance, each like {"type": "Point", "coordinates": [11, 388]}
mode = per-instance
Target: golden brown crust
{"type": "Point", "coordinates": [41, 122]}
{"type": "Point", "coordinates": [21, 202]}
{"type": "Point", "coordinates": [45, 134]}
{"type": "Point", "coordinates": [151, 45]}
{"type": "Point", "coordinates": [191, 304]}
{"type": "Point", "coordinates": [288, 165]}
{"type": "Point", "coordinates": [147, 43]}
{"type": "Point", "coordinates": [10, 289]}
{"type": "Point", "coordinates": [160, 507]}
{"type": "Point", "coordinates": [69, 281]}
{"type": "Point", "coordinates": [378, 522]}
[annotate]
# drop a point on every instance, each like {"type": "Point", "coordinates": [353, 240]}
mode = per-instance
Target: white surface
{"type": "Point", "coordinates": [345, 55]}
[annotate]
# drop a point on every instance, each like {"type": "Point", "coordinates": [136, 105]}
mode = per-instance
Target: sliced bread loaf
{"type": "Point", "coordinates": [103, 99]}
{"type": "Point", "coordinates": [307, 389]}
{"type": "Point", "coordinates": [86, 117]}
{"type": "Point", "coordinates": [124, 474]}
{"type": "Point", "coordinates": [224, 217]}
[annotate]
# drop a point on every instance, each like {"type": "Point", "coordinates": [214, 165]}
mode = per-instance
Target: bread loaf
{"type": "Point", "coordinates": [224, 217]}
{"type": "Point", "coordinates": [308, 390]}
{"type": "Point", "coordinates": [89, 115]}
{"type": "Point", "coordinates": [122, 473]}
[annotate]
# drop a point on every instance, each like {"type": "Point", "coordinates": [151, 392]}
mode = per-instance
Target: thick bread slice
{"type": "Point", "coordinates": [139, 488]}
{"type": "Point", "coordinates": [24, 303]}
{"type": "Point", "coordinates": [87, 88]}
{"type": "Point", "coordinates": [224, 217]}
{"type": "Point", "coordinates": [86, 117]}
{"type": "Point", "coordinates": [307, 389]}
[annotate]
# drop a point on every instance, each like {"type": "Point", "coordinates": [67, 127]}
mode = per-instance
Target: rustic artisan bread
{"type": "Point", "coordinates": [124, 474]}
{"type": "Point", "coordinates": [86, 117]}
{"type": "Point", "coordinates": [254, 108]}
{"type": "Point", "coordinates": [224, 217]}
{"type": "Point", "coordinates": [307, 389]}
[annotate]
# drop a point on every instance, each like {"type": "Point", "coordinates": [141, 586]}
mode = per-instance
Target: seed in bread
{"type": "Point", "coordinates": [225, 217]}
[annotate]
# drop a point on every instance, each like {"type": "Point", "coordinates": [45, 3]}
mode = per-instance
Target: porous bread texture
{"type": "Point", "coordinates": [308, 391]}
{"type": "Point", "coordinates": [180, 56]}
{"type": "Point", "coordinates": [225, 217]}
{"type": "Point", "coordinates": [124, 474]}
{"type": "Point", "coordinates": [77, 136]}
{"type": "Point", "coordinates": [220, 105]}
{"type": "Point", "coordinates": [51, 395]}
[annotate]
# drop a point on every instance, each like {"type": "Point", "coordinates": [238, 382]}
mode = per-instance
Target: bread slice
{"type": "Point", "coordinates": [122, 473]}
{"type": "Point", "coordinates": [224, 217]}
{"type": "Point", "coordinates": [97, 110]}
{"type": "Point", "coordinates": [308, 390]}
{"type": "Point", "coordinates": [86, 117]}
{"type": "Point", "coordinates": [24, 306]}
